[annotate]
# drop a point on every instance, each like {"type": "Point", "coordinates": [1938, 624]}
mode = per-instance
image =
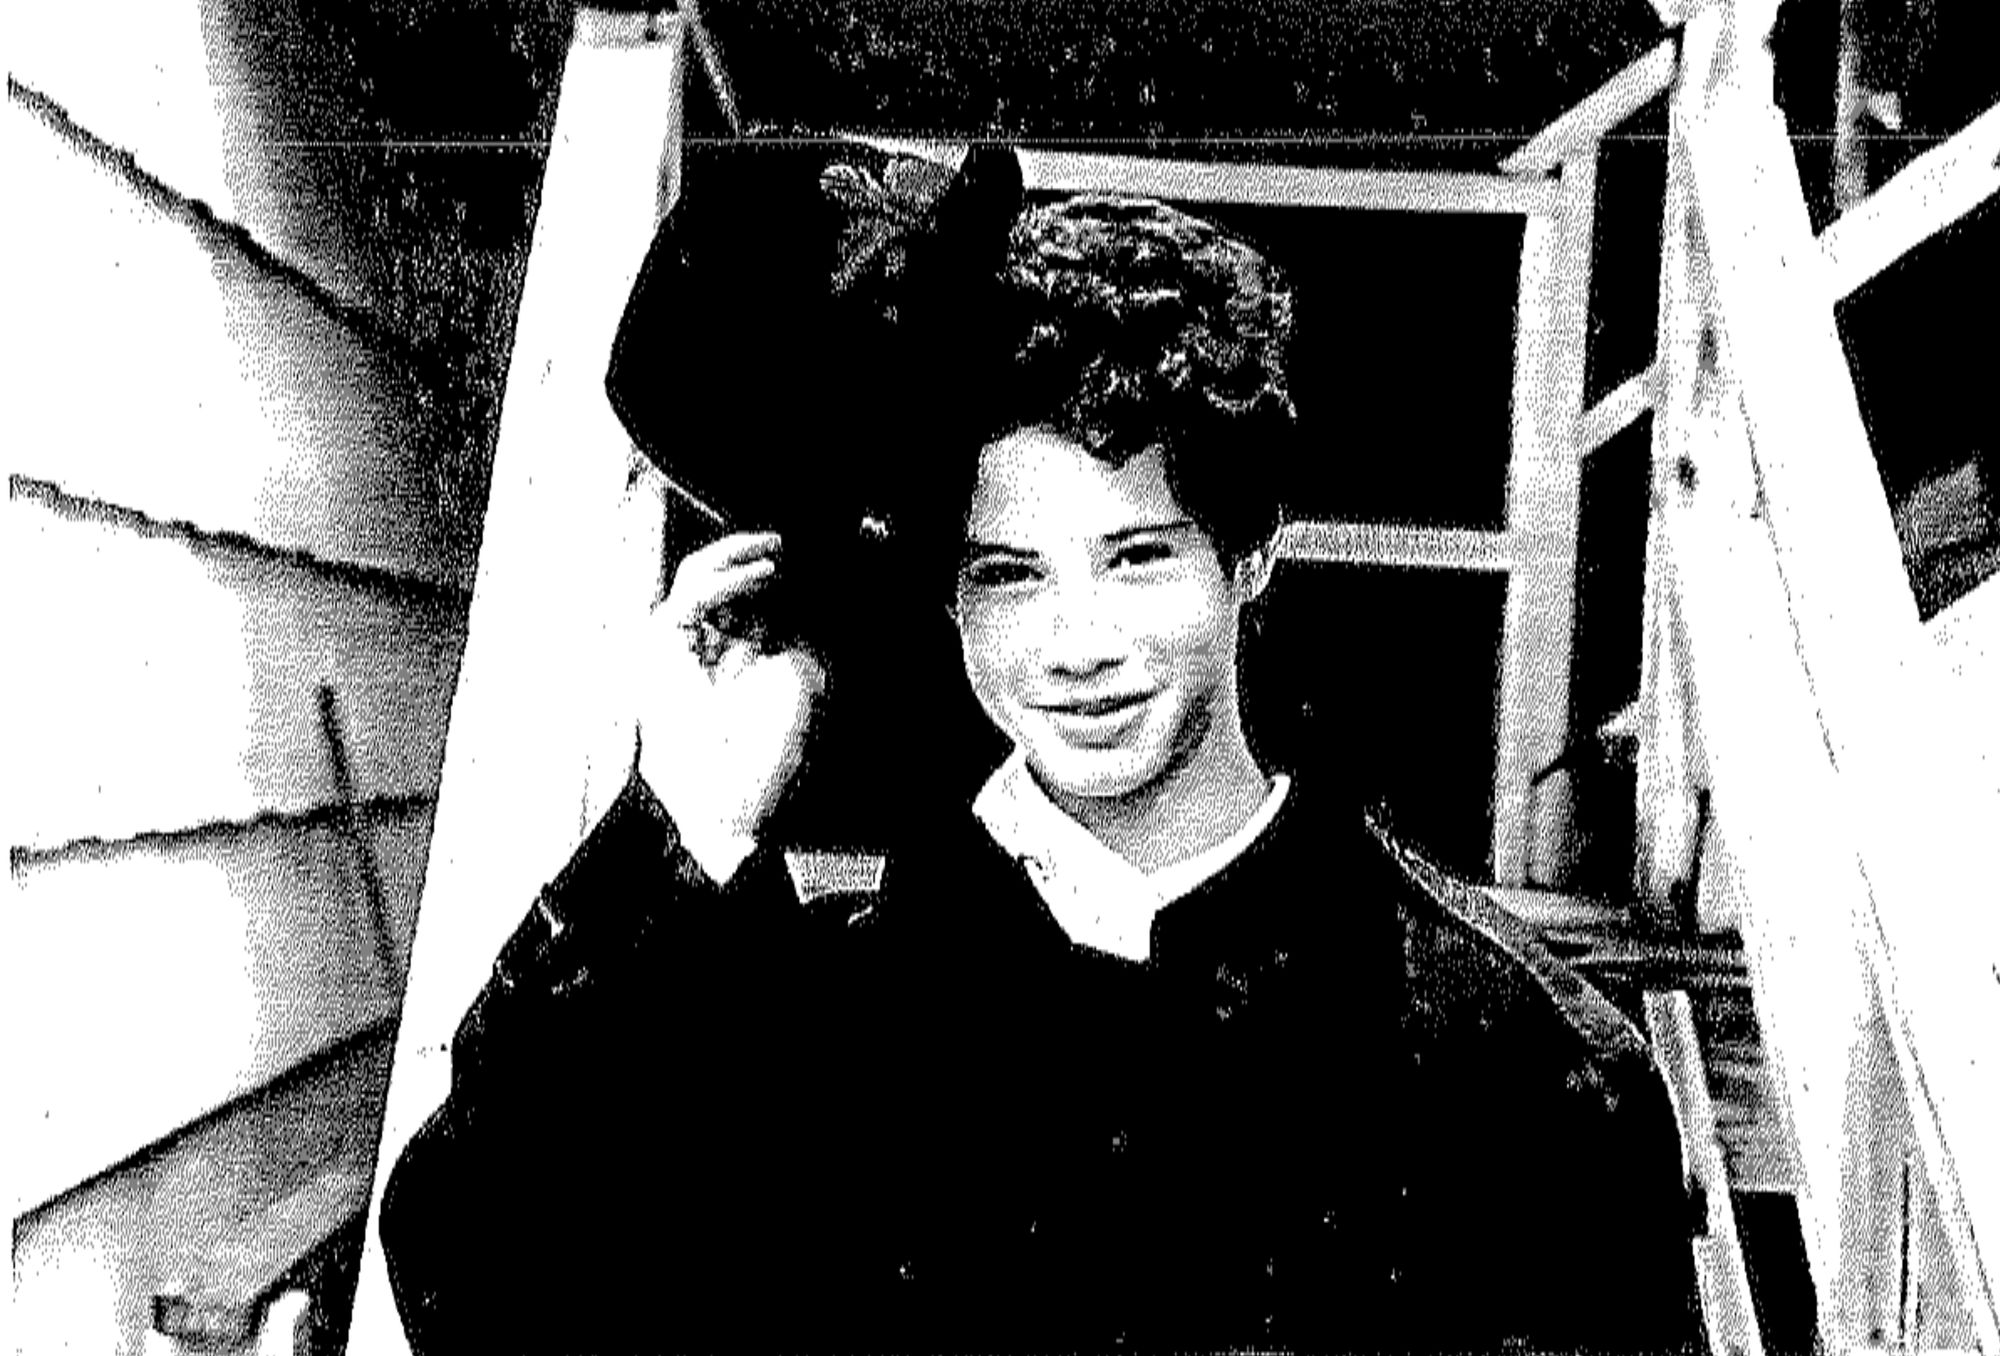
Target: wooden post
{"type": "Point", "coordinates": [1728, 1312]}
{"type": "Point", "coordinates": [1543, 480]}
{"type": "Point", "coordinates": [1670, 772]}
{"type": "Point", "coordinates": [541, 731]}
{"type": "Point", "coordinates": [1282, 185]}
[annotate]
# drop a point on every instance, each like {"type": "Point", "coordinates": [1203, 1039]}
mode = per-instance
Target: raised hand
{"type": "Point", "coordinates": [724, 704]}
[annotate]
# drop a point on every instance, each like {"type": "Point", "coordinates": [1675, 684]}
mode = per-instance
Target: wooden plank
{"type": "Point", "coordinates": [1543, 485]}
{"type": "Point", "coordinates": [1928, 194]}
{"type": "Point", "coordinates": [1934, 1302]}
{"type": "Point", "coordinates": [1429, 548]}
{"type": "Point", "coordinates": [1669, 774]}
{"type": "Point", "coordinates": [174, 682]}
{"type": "Point", "coordinates": [1552, 911]}
{"type": "Point", "coordinates": [1688, 963]}
{"type": "Point", "coordinates": [240, 403]}
{"type": "Point", "coordinates": [220, 1290]}
{"type": "Point", "coordinates": [178, 973]}
{"type": "Point", "coordinates": [1749, 1115]}
{"type": "Point", "coordinates": [148, 78]}
{"type": "Point", "coordinates": [1771, 785]}
{"type": "Point", "coordinates": [1850, 154]}
{"type": "Point", "coordinates": [719, 84]}
{"type": "Point", "coordinates": [1728, 1311]}
{"type": "Point", "coordinates": [1728, 705]}
{"type": "Point", "coordinates": [1577, 132]}
{"type": "Point", "coordinates": [88, 1265]}
{"type": "Point", "coordinates": [138, 75]}
{"type": "Point", "coordinates": [1285, 186]}
{"type": "Point", "coordinates": [1617, 412]}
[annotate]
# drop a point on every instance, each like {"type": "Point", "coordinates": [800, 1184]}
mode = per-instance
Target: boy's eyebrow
{"type": "Point", "coordinates": [1142, 529]}
{"type": "Point", "coordinates": [975, 547]}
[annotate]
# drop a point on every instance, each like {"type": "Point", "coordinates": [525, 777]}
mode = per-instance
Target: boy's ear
{"type": "Point", "coordinates": [1253, 572]}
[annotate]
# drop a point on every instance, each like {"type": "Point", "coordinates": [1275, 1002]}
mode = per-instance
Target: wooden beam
{"type": "Point", "coordinates": [1543, 484]}
{"type": "Point", "coordinates": [569, 565]}
{"type": "Point", "coordinates": [719, 83]}
{"type": "Point", "coordinates": [1282, 185]}
{"type": "Point", "coordinates": [1615, 413]}
{"type": "Point", "coordinates": [1928, 194]}
{"type": "Point", "coordinates": [1850, 149]}
{"type": "Point", "coordinates": [218, 1213]}
{"type": "Point", "coordinates": [1772, 785]}
{"type": "Point", "coordinates": [1430, 548]}
{"type": "Point", "coordinates": [1550, 911]}
{"type": "Point", "coordinates": [1727, 1310]}
{"type": "Point", "coordinates": [1667, 818]}
{"type": "Point", "coordinates": [1584, 125]}
{"type": "Point", "coordinates": [219, 1301]}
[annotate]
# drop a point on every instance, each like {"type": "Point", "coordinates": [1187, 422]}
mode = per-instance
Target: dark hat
{"type": "Point", "coordinates": [788, 353]}
{"type": "Point", "coordinates": [801, 352]}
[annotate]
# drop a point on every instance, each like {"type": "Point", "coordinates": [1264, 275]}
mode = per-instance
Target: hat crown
{"type": "Point", "coordinates": [783, 353]}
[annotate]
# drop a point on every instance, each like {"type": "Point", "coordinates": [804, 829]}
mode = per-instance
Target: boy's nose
{"type": "Point", "coordinates": [1084, 637]}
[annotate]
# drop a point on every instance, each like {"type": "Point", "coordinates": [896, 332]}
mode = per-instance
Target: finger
{"type": "Point", "coordinates": [694, 597]}
{"type": "Point", "coordinates": [733, 549]}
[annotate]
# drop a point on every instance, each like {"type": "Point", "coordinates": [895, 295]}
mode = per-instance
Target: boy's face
{"type": "Point", "coordinates": [1098, 624]}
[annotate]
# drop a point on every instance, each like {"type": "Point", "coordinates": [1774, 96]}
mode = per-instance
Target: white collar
{"type": "Point", "coordinates": [1100, 899]}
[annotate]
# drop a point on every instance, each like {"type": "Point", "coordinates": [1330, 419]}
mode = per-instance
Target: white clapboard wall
{"type": "Point", "coordinates": [216, 513]}
{"type": "Point", "coordinates": [179, 370]}
{"type": "Point", "coordinates": [194, 92]}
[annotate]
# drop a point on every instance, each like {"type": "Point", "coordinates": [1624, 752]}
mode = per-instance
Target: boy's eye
{"type": "Point", "coordinates": [990, 574]}
{"type": "Point", "coordinates": [1142, 553]}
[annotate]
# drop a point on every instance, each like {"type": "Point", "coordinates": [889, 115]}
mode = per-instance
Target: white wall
{"type": "Point", "coordinates": [173, 683]}
{"type": "Point", "coordinates": [167, 371]}
{"type": "Point", "coordinates": [183, 88]}
{"type": "Point", "coordinates": [216, 507]}
{"type": "Point", "coordinates": [172, 976]}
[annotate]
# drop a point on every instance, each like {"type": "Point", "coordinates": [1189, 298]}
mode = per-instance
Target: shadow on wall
{"type": "Point", "coordinates": [253, 426]}
{"type": "Point", "coordinates": [197, 1236]}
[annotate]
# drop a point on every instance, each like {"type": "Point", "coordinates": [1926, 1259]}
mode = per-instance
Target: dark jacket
{"type": "Point", "coordinates": [1325, 1115]}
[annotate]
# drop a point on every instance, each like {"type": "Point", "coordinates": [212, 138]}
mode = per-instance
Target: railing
{"type": "Point", "coordinates": [1787, 671]}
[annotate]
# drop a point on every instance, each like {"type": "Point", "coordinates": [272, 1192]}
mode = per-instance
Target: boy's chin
{"type": "Point", "coordinates": [1088, 777]}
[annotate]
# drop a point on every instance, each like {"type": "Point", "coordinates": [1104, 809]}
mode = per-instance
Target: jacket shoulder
{"type": "Point", "coordinates": [1481, 980]}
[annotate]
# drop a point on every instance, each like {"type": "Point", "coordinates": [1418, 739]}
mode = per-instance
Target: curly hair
{"type": "Point", "coordinates": [1135, 325]}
